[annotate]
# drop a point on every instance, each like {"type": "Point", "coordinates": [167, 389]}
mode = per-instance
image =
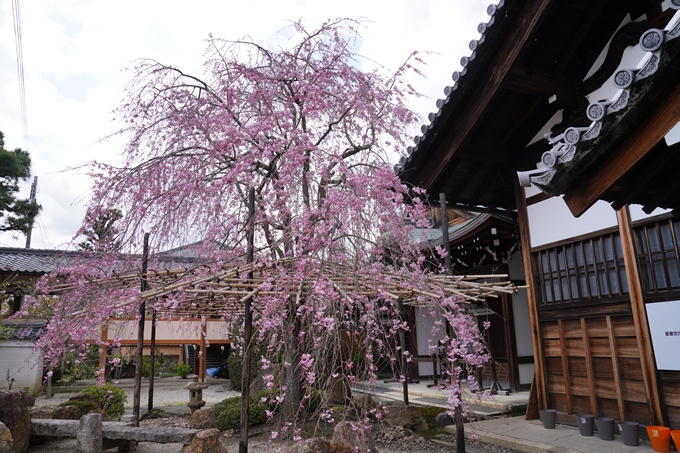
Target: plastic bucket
{"type": "Point", "coordinates": [660, 436]}
{"type": "Point", "coordinates": [585, 424]}
{"type": "Point", "coordinates": [630, 433]}
{"type": "Point", "coordinates": [675, 434]}
{"type": "Point", "coordinates": [548, 418]}
{"type": "Point", "coordinates": [605, 427]}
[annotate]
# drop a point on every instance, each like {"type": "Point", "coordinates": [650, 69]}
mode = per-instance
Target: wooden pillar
{"type": "Point", "coordinates": [203, 357]}
{"type": "Point", "coordinates": [510, 342]}
{"type": "Point", "coordinates": [536, 340]}
{"type": "Point", "coordinates": [140, 336]}
{"type": "Point", "coordinates": [102, 350]}
{"type": "Point", "coordinates": [152, 360]}
{"type": "Point", "coordinates": [639, 316]}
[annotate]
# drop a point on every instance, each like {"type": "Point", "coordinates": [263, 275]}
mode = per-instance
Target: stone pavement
{"type": "Point", "coordinates": [530, 437]}
{"type": "Point", "coordinates": [422, 395]}
{"type": "Point", "coordinates": [515, 433]}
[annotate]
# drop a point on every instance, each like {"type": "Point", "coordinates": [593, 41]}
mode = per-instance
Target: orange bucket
{"type": "Point", "coordinates": [660, 437]}
{"type": "Point", "coordinates": [675, 434]}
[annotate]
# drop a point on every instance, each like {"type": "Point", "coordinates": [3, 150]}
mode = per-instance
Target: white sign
{"type": "Point", "coordinates": [664, 327]}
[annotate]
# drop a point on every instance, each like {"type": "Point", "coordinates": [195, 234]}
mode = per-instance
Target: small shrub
{"type": "Point", "coordinates": [146, 367]}
{"type": "Point", "coordinates": [85, 406]}
{"type": "Point", "coordinates": [182, 370]}
{"type": "Point", "coordinates": [228, 413]}
{"type": "Point", "coordinates": [111, 399]}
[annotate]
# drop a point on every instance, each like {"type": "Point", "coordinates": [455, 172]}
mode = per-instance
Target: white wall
{"type": "Point", "coordinates": [24, 365]}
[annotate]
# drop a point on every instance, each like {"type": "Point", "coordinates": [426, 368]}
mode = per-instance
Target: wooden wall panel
{"type": "Point", "coordinates": [628, 347]}
{"type": "Point", "coordinates": [580, 405]}
{"type": "Point", "coordinates": [624, 327]}
{"type": "Point", "coordinates": [672, 394]}
{"type": "Point", "coordinates": [633, 391]}
{"type": "Point", "coordinates": [607, 408]}
{"type": "Point", "coordinates": [577, 366]}
{"type": "Point", "coordinates": [599, 347]}
{"type": "Point", "coordinates": [638, 412]}
{"type": "Point", "coordinates": [674, 416]}
{"type": "Point", "coordinates": [579, 386]}
{"type": "Point", "coordinates": [553, 365]}
{"type": "Point", "coordinates": [593, 365]}
{"type": "Point", "coordinates": [605, 388]}
{"type": "Point", "coordinates": [558, 401]}
{"type": "Point", "coordinates": [630, 368]}
{"type": "Point", "coordinates": [602, 367]}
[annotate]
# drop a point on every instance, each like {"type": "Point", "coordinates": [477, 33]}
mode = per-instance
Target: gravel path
{"type": "Point", "coordinates": [171, 395]}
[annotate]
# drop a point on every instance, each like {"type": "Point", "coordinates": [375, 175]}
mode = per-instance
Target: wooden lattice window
{"type": "Point", "coordinates": [658, 255]}
{"type": "Point", "coordinates": [582, 270]}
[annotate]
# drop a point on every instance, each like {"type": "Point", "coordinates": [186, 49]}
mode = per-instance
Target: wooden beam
{"type": "Point", "coordinates": [661, 159]}
{"type": "Point", "coordinates": [565, 365]}
{"type": "Point", "coordinates": [541, 196]}
{"type": "Point", "coordinates": [639, 316]}
{"type": "Point", "coordinates": [536, 340]}
{"type": "Point", "coordinates": [510, 343]}
{"type": "Point", "coordinates": [615, 368]}
{"type": "Point", "coordinates": [542, 86]}
{"type": "Point", "coordinates": [523, 29]}
{"type": "Point", "coordinates": [621, 160]}
{"type": "Point", "coordinates": [589, 367]}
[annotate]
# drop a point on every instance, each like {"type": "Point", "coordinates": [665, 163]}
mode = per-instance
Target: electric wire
{"type": "Point", "coordinates": [16, 13]}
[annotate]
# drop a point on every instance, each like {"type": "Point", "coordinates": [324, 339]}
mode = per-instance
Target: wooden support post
{"type": "Point", "coordinates": [536, 340]}
{"type": "Point", "coordinates": [589, 368]}
{"type": "Point", "coordinates": [102, 349]}
{"type": "Point", "coordinates": [152, 359]}
{"type": "Point", "coordinates": [140, 336]}
{"type": "Point", "coordinates": [247, 331]}
{"type": "Point", "coordinates": [615, 367]}
{"type": "Point", "coordinates": [510, 342]}
{"type": "Point", "coordinates": [565, 365]}
{"type": "Point", "coordinates": [639, 316]}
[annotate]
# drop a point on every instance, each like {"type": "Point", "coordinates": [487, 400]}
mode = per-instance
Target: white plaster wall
{"type": "Point", "coordinates": [636, 212]}
{"type": "Point", "coordinates": [168, 330]}
{"type": "Point", "coordinates": [551, 221]}
{"type": "Point", "coordinates": [24, 365]}
{"type": "Point", "coordinates": [424, 325]}
{"type": "Point", "coordinates": [526, 373]}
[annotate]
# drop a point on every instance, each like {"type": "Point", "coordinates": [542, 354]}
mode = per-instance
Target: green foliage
{"type": "Point", "coordinates": [182, 370]}
{"type": "Point", "coordinates": [100, 232]}
{"type": "Point", "coordinates": [228, 413]}
{"type": "Point", "coordinates": [85, 406]}
{"type": "Point", "coordinates": [111, 399]}
{"type": "Point", "coordinates": [235, 362]}
{"type": "Point", "coordinates": [15, 214]}
{"type": "Point", "coordinates": [146, 367]}
{"type": "Point", "coordinates": [79, 367]}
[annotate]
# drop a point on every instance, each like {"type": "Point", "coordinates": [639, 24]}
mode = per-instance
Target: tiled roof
{"type": "Point", "coordinates": [460, 78]}
{"type": "Point", "coordinates": [34, 261]}
{"type": "Point", "coordinates": [21, 331]}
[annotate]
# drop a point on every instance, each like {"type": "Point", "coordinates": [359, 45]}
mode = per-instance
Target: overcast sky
{"type": "Point", "coordinates": [74, 51]}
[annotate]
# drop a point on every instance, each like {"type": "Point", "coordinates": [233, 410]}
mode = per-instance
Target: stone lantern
{"type": "Point", "coordinates": [195, 394]}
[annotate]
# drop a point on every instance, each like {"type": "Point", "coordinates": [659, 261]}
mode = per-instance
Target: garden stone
{"type": "Point", "coordinates": [354, 435]}
{"type": "Point", "coordinates": [406, 416]}
{"type": "Point", "coordinates": [314, 445]}
{"type": "Point", "coordinates": [5, 439]}
{"type": "Point", "coordinates": [15, 413]}
{"type": "Point", "coordinates": [42, 412]}
{"type": "Point", "coordinates": [203, 419]}
{"type": "Point", "coordinates": [89, 437]}
{"type": "Point", "coordinates": [67, 413]}
{"type": "Point", "coordinates": [444, 419]}
{"type": "Point", "coordinates": [206, 441]}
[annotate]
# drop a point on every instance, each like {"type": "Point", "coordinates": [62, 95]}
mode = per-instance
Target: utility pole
{"type": "Point", "coordinates": [34, 188]}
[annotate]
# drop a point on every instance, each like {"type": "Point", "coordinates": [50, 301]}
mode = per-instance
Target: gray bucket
{"type": "Point", "coordinates": [548, 418]}
{"type": "Point", "coordinates": [585, 424]}
{"type": "Point", "coordinates": [630, 433]}
{"type": "Point", "coordinates": [605, 426]}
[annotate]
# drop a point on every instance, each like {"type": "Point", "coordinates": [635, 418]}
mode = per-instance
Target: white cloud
{"type": "Point", "coordinates": [74, 51]}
